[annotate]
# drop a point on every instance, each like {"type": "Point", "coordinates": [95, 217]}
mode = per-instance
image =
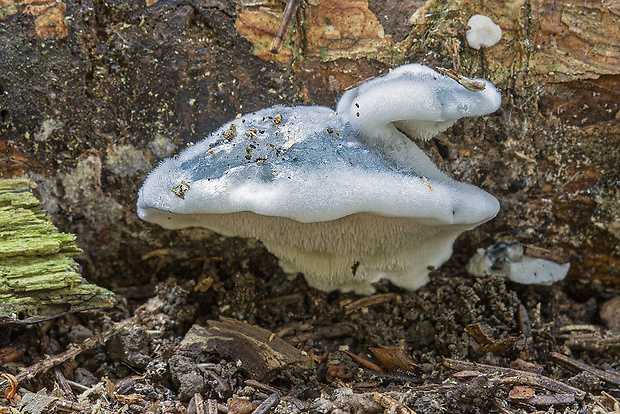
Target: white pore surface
{"type": "Point", "coordinates": [343, 211]}
{"type": "Point", "coordinates": [483, 33]}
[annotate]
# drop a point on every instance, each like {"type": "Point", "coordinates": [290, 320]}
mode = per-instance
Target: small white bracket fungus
{"type": "Point", "coordinates": [483, 32]}
{"type": "Point", "coordinates": [346, 198]}
{"type": "Point", "coordinates": [506, 259]}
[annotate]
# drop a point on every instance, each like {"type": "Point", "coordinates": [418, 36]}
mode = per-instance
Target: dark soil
{"type": "Point", "coordinates": [455, 316]}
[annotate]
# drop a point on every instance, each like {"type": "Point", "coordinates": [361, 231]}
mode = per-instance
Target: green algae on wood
{"type": "Point", "coordinates": [38, 277]}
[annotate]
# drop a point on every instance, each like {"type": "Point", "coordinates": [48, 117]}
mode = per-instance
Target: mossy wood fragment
{"type": "Point", "coordinates": [38, 277]}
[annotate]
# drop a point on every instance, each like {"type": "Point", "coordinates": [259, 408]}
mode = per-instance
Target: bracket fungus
{"type": "Point", "coordinates": [483, 32]}
{"type": "Point", "coordinates": [345, 197]}
{"type": "Point", "coordinates": [506, 259]}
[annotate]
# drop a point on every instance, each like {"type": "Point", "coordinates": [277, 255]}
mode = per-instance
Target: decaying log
{"type": "Point", "coordinates": [38, 277]}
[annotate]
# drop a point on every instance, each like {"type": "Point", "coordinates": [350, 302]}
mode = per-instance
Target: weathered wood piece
{"type": "Point", "coordinates": [38, 277]}
{"type": "Point", "coordinates": [259, 350]}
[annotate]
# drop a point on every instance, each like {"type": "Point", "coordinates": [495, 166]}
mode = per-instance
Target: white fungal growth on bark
{"type": "Point", "coordinates": [345, 197]}
{"type": "Point", "coordinates": [506, 259]}
{"type": "Point", "coordinates": [483, 32]}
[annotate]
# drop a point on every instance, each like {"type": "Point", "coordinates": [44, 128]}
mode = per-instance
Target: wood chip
{"type": "Point", "coordinates": [238, 341]}
{"type": "Point", "coordinates": [610, 313]}
{"type": "Point", "coordinates": [554, 399]}
{"type": "Point", "coordinates": [240, 406]}
{"type": "Point", "coordinates": [392, 405]}
{"type": "Point", "coordinates": [394, 358]}
{"type": "Point", "coordinates": [481, 334]}
{"type": "Point", "coordinates": [521, 393]}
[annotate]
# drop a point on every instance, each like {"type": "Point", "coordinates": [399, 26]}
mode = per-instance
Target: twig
{"type": "Point", "coordinates": [68, 406]}
{"type": "Point", "coordinates": [513, 376]}
{"type": "Point", "coordinates": [287, 18]}
{"type": "Point", "coordinates": [10, 353]}
{"type": "Point", "coordinates": [578, 366]}
{"type": "Point", "coordinates": [369, 301]}
{"type": "Point", "coordinates": [526, 329]}
{"type": "Point", "coordinates": [540, 253]}
{"type": "Point", "coordinates": [268, 404]}
{"type": "Point", "coordinates": [260, 386]}
{"type": "Point", "coordinates": [62, 382]}
{"type": "Point", "coordinates": [282, 300]}
{"type": "Point", "coordinates": [95, 388]}
{"type": "Point", "coordinates": [77, 385]}
{"type": "Point", "coordinates": [223, 385]}
{"type": "Point", "coordinates": [589, 338]}
{"type": "Point", "coordinates": [469, 84]}
{"type": "Point", "coordinates": [393, 376]}
{"type": "Point", "coordinates": [551, 399]}
{"type": "Point", "coordinates": [75, 350]}
{"type": "Point", "coordinates": [364, 362]}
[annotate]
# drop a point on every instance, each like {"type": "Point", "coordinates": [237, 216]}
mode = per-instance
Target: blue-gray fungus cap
{"type": "Point", "coordinates": [345, 197]}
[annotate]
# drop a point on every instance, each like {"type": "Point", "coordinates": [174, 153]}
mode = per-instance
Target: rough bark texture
{"type": "Point", "coordinates": [94, 93]}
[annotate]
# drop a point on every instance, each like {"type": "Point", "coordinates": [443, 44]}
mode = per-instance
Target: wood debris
{"type": "Point", "coordinates": [249, 344]}
{"type": "Point", "coordinates": [285, 23]}
{"type": "Point", "coordinates": [268, 404]}
{"type": "Point", "coordinates": [525, 325]}
{"type": "Point", "coordinates": [370, 301]}
{"type": "Point", "coordinates": [364, 362]}
{"type": "Point", "coordinates": [39, 279]}
{"type": "Point", "coordinates": [485, 343]}
{"type": "Point", "coordinates": [468, 83]}
{"type": "Point", "coordinates": [589, 338]}
{"type": "Point", "coordinates": [577, 366]}
{"type": "Point", "coordinates": [90, 343]}
{"type": "Point", "coordinates": [513, 376]}
{"type": "Point", "coordinates": [394, 358]}
{"type": "Point", "coordinates": [391, 405]}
